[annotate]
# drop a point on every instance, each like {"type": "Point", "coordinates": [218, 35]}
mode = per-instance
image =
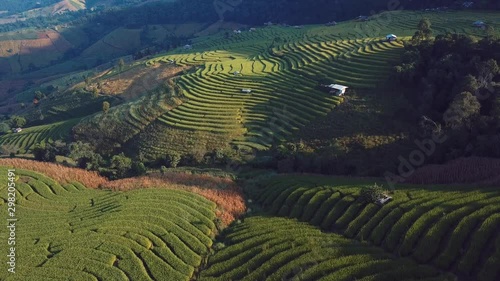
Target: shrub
{"type": "Point", "coordinates": [138, 168]}
{"type": "Point", "coordinates": [45, 152]}
{"type": "Point", "coordinates": [4, 128]}
{"type": "Point", "coordinates": [105, 107]}
{"type": "Point", "coordinates": [370, 194]}
{"type": "Point", "coordinates": [218, 246]}
{"type": "Point", "coordinates": [121, 163]}
{"type": "Point", "coordinates": [163, 169]}
{"type": "Point", "coordinates": [17, 121]}
{"type": "Point", "coordinates": [173, 160]}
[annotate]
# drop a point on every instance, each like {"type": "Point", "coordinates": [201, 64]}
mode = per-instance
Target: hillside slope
{"type": "Point", "coordinates": [283, 68]}
{"type": "Point", "coordinates": [141, 235]}
{"type": "Point", "coordinates": [267, 248]}
{"type": "Point", "coordinates": [454, 228]}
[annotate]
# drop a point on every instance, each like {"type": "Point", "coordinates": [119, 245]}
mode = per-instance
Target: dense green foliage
{"type": "Point", "coordinates": [71, 232]}
{"type": "Point", "coordinates": [447, 226]}
{"type": "Point", "coordinates": [304, 11]}
{"type": "Point", "coordinates": [457, 78]}
{"type": "Point", "coordinates": [16, 6]}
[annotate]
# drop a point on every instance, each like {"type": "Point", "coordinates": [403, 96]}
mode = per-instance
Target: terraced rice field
{"type": "Point", "coordinates": [69, 232]}
{"type": "Point", "coordinates": [266, 248]}
{"type": "Point", "coordinates": [452, 228]}
{"type": "Point", "coordinates": [29, 137]}
{"type": "Point", "coordinates": [283, 67]}
{"type": "Point", "coordinates": [282, 99]}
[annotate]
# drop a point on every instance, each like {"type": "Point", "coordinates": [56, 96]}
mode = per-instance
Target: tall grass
{"type": "Point", "coordinates": [223, 191]}
{"type": "Point", "coordinates": [60, 173]}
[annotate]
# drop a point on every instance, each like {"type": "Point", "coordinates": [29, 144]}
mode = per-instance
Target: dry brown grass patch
{"type": "Point", "coordinates": [222, 191]}
{"type": "Point", "coordinates": [58, 172]}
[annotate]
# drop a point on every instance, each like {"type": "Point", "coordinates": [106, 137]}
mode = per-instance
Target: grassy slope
{"type": "Point", "coordinates": [69, 231]}
{"type": "Point", "coordinates": [454, 228]}
{"type": "Point", "coordinates": [283, 80]}
{"type": "Point", "coordinates": [18, 52]}
{"type": "Point", "coordinates": [267, 248]}
{"type": "Point", "coordinates": [29, 137]}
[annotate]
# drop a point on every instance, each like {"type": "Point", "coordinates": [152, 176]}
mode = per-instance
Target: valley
{"type": "Point", "coordinates": [146, 148]}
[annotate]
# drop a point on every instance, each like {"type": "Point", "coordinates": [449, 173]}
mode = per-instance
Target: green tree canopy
{"type": "Point", "coordinates": [45, 152]}
{"type": "Point", "coordinates": [462, 109]}
{"type": "Point", "coordinates": [17, 121]}
{"type": "Point", "coordinates": [423, 32]}
{"type": "Point", "coordinates": [105, 107]}
{"type": "Point", "coordinates": [4, 128]}
{"type": "Point", "coordinates": [121, 163]}
{"type": "Point", "coordinates": [84, 155]}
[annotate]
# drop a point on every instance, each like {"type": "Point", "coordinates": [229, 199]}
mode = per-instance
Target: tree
{"type": "Point", "coordinates": [121, 64]}
{"type": "Point", "coordinates": [39, 95]}
{"type": "Point", "coordinates": [490, 31]}
{"type": "Point", "coordinates": [4, 128]}
{"type": "Point", "coordinates": [121, 163]}
{"type": "Point", "coordinates": [17, 121]}
{"type": "Point", "coordinates": [9, 149]}
{"type": "Point", "coordinates": [370, 194]}
{"type": "Point", "coordinates": [495, 110]}
{"type": "Point", "coordinates": [84, 155]}
{"type": "Point", "coordinates": [461, 110]}
{"type": "Point", "coordinates": [95, 92]}
{"type": "Point", "coordinates": [424, 25]}
{"type": "Point", "coordinates": [174, 159]}
{"type": "Point", "coordinates": [61, 147]}
{"type": "Point", "coordinates": [487, 70]}
{"type": "Point", "coordinates": [163, 170]}
{"type": "Point", "coordinates": [105, 107]}
{"type": "Point", "coordinates": [470, 84]}
{"type": "Point", "coordinates": [138, 168]}
{"type": "Point", "coordinates": [423, 32]}
{"type": "Point", "coordinates": [45, 152]}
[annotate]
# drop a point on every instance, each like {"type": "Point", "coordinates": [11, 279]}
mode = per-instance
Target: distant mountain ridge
{"type": "Point", "coordinates": [57, 6]}
{"type": "Point", "coordinates": [309, 12]}
{"type": "Point", "coordinates": [16, 6]}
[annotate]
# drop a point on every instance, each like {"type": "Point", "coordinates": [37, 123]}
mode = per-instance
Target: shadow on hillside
{"type": "Point", "coordinates": [143, 81]}
{"type": "Point", "coordinates": [26, 55]}
{"type": "Point", "coordinates": [367, 112]}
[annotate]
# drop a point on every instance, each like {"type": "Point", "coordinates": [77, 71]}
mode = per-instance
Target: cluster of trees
{"type": "Point", "coordinates": [216, 157]}
{"type": "Point", "coordinates": [16, 6]}
{"type": "Point", "coordinates": [294, 157]}
{"type": "Point", "coordinates": [113, 166]}
{"type": "Point", "coordinates": [254, 12]}
{"type": "Point", "coordinates": [457, 91]}
{"type": "Point", "coordinates": [322, 11]}
{"type": "Point", "coordinates": [11, 123]}
{"type": "Point", "coordinates": [119, 165]}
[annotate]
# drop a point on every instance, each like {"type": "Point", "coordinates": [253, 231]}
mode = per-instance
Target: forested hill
{"type": "Point", "coordinates": [254, 12]}
{"type": "Point", "coordinates": [257, 12]}
{"type": "Point", "coordinates": [16, 6]}
{"type": "Point", "coordinates": [318, 11]}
